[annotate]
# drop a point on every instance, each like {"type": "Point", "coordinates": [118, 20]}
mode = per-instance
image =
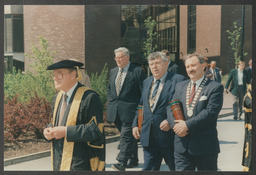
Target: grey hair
{"type": "Point", "coordinates": [156, 55]}
{"type": "Point", "coordinates": [213, 62]}
{"type": "Point", "coordinates": [124, 50]}
{"type": "Point", "coordinates": [201, 59]}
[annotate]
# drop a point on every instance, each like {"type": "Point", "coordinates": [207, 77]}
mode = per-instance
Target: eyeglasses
{"type": "Point", "coordinates": [119, 58]}
{"type": "Point", "coordinates": [59, 75]}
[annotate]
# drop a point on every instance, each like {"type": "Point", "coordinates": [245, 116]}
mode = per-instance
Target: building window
{"type": "Point", "coordinates": [13, 33]}
{"type": "Point", "coordinates": [134, 33]}
{"type": "Point", "coordinates": [167, 28]}
{"type": "Point", "coordinates": [191, 28]}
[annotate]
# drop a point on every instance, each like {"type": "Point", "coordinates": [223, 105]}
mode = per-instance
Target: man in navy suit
{"type": "Point", "coordinates": [124, 92]}
{"type": "Point", "coordinates": [156, 136]}
{"type": "Point", "coordinates": [196, 145]}
{"type": "Point", "coordinates": [237, 80]}
{"type": "Point", "coordinates": [215, 72]}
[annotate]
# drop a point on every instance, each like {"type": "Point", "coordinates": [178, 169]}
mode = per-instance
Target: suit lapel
{"type": "Point", "coordinates": [202, 92]}
{"type": "Point", "coordinates": [183, 99]}
{"type": "Point", "coordinates": [166, 86]}
{"type": "Point", "coordinates": [113, 84]}
{"type": "Point", "coordinates": [128, 76]}
{"type": "Point", "coordinates": [147, 90]}
{"type": "Point", "coordinates": [236, 75]}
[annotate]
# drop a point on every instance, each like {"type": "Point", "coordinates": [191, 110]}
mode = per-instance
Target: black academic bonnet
{"type": "Point", "coordinates": [65, 64]}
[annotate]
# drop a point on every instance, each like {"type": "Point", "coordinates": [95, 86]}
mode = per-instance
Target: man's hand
{"type": "Point", "coordinates": [226, 90]}
{"type": "Point", "coordinates": [136, 133]}
{"type": "Point", "coordinates": [47, 133]}
{"type": "Point", "coordinates": [180, 128]}
{"type": "Point", "coordinates": [165, 126]}
{"type": "Point", "coordinates": [59, 132]}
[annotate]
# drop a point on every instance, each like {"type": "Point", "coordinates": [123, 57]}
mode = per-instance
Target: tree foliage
{"type": "Point", "coordinates": [42, 57]}
{"type": "Point", "coordinates": [149, 45]}
{"type": "Point", "coordinates": [235, 42]}
{"type": "Point", "coordinates": [23, 83]}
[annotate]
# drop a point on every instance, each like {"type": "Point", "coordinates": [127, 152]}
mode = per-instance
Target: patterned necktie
{"type": "Point", "coordinates": [63, 107]}
{"type": "Point", "coordinates": [118, 81]}
{"type": "Point", "coordinates": [192, 94]}
{"type": "Point", "coordinates": [156, 88]}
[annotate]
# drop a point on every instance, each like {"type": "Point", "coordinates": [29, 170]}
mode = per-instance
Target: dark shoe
{"type": "Point", "coordinates": [131, 163]}
{"type": "Point", "coordinates": [235, 118]}
{"type": "Point", "coordinates": [118, 167]}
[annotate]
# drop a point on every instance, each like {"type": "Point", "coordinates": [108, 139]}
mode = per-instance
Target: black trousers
{"type": "Point", "coordinates": [186, 162]}
{"type": "Point", "coordinates": [128, 144]}
{"type": "Point", "coordinates": [238, 102]}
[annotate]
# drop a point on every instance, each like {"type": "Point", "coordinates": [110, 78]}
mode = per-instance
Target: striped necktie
{"type": "Point", "coordinates": [63, 107]}
{"type": "Point", "coordinates": [156, 88]}
{"type": "Point", "coordinates": [118, 81]}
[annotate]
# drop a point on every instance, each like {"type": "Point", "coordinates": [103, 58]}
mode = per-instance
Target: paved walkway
{"type": "Point", "coordinates": [231, 135]}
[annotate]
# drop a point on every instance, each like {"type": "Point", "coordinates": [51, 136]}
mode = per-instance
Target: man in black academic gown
{"type": "Point", "coordinates": [76, 130]}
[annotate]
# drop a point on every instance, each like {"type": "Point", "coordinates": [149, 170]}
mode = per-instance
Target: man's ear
{"type": "Point", "coordinates": [73, 73]}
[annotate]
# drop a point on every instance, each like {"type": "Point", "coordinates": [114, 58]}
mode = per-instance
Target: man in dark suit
{"type": "Point", "coordinates": [249, 70]}
{"type": "Point", "coordinates": [215, 72]}
{"type": "Point", "coordinates": [76, 131]}
{"type": "Point", "coordinates": [124, 92]}
{"type": "Point", "coordinates": [238, 78]}
{"type": "Point", "coordinates": [156, 136]}
{"type": "Point", "coordinates": [196, 144]}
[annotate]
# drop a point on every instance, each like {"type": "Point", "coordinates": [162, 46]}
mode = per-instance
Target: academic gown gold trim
{"type": "Point", "coordinates": [68, 147]}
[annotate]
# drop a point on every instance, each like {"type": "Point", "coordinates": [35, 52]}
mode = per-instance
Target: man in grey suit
{"type": "Point", "coordinates": [196, 144]}
{"type": "Point", "coordinates": [237, 79]}
{"type": "Point", "coordinates": [124, 92]}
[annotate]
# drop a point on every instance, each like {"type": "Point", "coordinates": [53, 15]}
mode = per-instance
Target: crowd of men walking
{"type": "Point", "coordinates": [187, 140]}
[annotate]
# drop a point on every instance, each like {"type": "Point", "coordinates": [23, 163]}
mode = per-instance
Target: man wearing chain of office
{"type": "Point", "coordinates": [196, 144]}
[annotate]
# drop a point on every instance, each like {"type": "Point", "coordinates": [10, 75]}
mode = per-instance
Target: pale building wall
{"type": "Point", "coordinates": [208, 30]}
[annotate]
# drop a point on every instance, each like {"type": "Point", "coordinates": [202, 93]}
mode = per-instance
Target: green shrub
{"type": "Point", "coordinates": [99, 83]}
{"type": "Point", "coordinates": [40, 80]}
{"type": "Point", "coordinates": [25, 83]}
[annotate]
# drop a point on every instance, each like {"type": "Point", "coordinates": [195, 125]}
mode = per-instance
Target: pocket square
{"type": "Point", "coordinates": [203, 98]}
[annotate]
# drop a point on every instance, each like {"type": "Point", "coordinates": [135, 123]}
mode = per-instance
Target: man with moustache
{"type": "Point", "coordinates": [196, 145]}
{"type": "Point", "coordinates": [156, 136]}
{"type": "Point", "coordinates": [76, 131]}
{"type": "Point", "coordinates": [123, 96]}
